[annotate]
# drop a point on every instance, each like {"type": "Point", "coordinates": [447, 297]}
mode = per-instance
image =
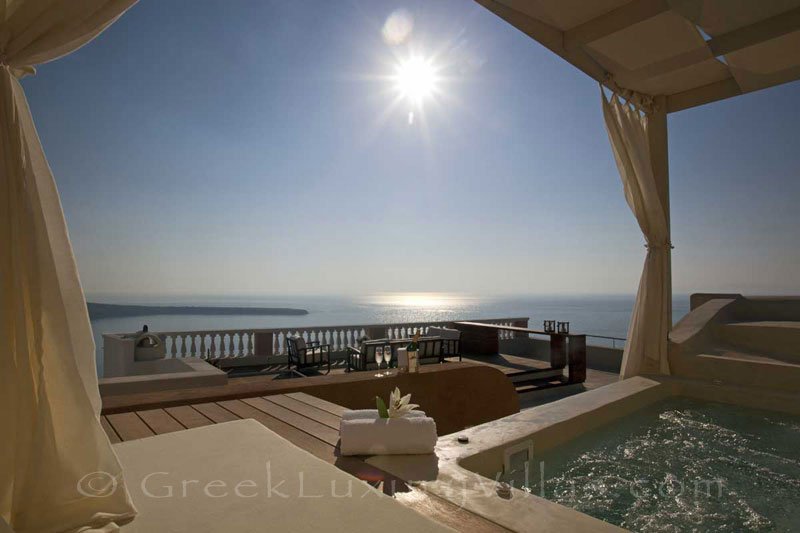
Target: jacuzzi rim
{"type": "Point", "coordinates": [463, 467]}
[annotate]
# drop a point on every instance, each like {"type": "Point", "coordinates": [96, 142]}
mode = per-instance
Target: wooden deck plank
{"type": "Point", "coordinates": [319, 403]}
{"type": "Point", "coordinates": [299, 438]}
{"type": "Point", "coordinates": [160, 421]}
{"type": "Point", "coordinates": [308, 411]}
{"type": "Point", "coordinates": [312, 427]}
{"type": "Point", "coordinates": [507, 364]}
{"type": "Point", "coordinates": [112, 435]}
{"type": "Point", "coordinates": [215, 413]}
{"type": "Point", "coordinates": [189, 417]}
{"type": "Point", "coordinates": [129, 426]}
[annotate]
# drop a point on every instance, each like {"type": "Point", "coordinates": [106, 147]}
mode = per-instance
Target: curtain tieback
{"type": "Point", "coordinates": [659, 246]}
{"type": "Point", "coordinates": [17, 72]}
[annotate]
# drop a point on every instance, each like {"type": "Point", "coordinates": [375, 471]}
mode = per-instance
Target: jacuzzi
{"type": "Point", "coordinates": [577, 454]}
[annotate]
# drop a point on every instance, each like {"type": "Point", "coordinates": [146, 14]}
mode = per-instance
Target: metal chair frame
{"type": "Point", "coordinates": [300, 356]}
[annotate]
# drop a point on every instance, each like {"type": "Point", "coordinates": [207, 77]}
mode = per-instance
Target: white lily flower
{"type": "Point", "coordinates": [400, 406]}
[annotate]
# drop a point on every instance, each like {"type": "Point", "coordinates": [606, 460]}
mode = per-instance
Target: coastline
{"type": "Point", "coordinates": [98, 311]}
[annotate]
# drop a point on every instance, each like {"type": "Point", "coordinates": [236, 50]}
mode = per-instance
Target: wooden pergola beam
{"type": "Point", "coordinates": [706, 94]}
{"type": "Point", "coordinates": [758, 32]}
{"type": "Point", "coordinates": [722, 44]}
{"type": "Point", "coordinates": [569, 46]}
{"type": "Point", "coordinates": [549, 36]}
{"type": "Point", "coordinates": [613, 21]}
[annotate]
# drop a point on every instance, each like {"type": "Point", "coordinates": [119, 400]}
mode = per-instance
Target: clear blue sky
{"type": "Point", "coordinates": [250, 146]}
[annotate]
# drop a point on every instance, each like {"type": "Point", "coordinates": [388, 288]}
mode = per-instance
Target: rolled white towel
{"type": "Point", "coordinates": [388, 436]}
{"type": "Point", "coordinates": [355, 414]}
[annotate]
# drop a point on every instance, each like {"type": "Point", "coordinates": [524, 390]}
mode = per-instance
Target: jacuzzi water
{"type": "Point", "coordinates": [679, 465]}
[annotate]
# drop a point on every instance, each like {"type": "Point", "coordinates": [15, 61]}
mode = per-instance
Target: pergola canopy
{"type": "Point", "coordinates": [691, 51]}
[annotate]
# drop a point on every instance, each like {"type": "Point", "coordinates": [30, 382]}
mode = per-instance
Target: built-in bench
{"type": "Point", "coordinates": [567, 350]}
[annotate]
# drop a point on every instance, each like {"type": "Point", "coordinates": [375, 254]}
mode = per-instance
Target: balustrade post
{"type": "Point", "coordinates": [376, 332]}
{"type": "Point", "coordinates": [264, 343]}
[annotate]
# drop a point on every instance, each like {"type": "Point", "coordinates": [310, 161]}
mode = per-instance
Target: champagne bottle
{"type": "Point", "coordinates": [413, 347]}
{"type": "Point", "coordinates": [413, 354]}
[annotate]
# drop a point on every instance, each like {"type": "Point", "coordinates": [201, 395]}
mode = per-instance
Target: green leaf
{"type": "Point", "coordinates": [382, 411]}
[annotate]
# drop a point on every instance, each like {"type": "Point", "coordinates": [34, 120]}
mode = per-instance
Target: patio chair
{"type": "Point", "coordinates": [307, 355]}
{"type": "Point", "coordinates": [430, 350]}
{"type": "Point", "coordinates": [359, 357]}
{"type": "Point", "coordinates": [451, 341]}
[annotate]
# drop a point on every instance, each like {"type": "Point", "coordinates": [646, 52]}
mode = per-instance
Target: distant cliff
{"type": "Point", "coordinates": [98, 311]}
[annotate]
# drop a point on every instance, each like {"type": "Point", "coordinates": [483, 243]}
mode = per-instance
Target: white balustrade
{"type": "Point", "coordinates": [225, 344]}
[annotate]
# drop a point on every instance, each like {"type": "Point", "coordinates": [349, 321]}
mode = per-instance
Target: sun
{"type": "Point", "coordinates": [416, 79]}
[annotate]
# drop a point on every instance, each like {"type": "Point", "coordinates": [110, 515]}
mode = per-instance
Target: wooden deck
{"type": "Point", "coordinates": [309, 423]}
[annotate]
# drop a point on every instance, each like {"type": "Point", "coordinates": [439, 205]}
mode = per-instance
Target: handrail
{"type": "Point", "coordinates": [612, 339]}
{"type": "Point", "coordinates": [606, 337]}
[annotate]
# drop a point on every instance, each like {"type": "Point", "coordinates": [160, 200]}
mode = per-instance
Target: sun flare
{"type": "Point", "coordinates": [416, 79]}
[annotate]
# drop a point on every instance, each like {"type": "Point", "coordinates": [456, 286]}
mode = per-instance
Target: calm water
{"type": "Point", "coordinates": [682, 465]}
{"type": "Point", "coordinates": [600, 315]}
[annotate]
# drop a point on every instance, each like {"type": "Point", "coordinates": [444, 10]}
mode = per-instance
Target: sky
{"type": "Point", "coordinates": [261, 147]}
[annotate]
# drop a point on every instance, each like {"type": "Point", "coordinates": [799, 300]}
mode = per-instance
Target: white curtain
{"type": "Point", "coordinates": [646, 347]}
{"type": "Point", "coordinates": [51, 439]}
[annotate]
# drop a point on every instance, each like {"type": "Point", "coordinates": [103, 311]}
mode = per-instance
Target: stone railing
{"type": "Point", "coordinates": [239, 343]}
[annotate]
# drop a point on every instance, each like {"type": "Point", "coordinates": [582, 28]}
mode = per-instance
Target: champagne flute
{"type": "Point", "coordinates": [378, 359]}
{"type": "Point", "coordinates": [387, 358]}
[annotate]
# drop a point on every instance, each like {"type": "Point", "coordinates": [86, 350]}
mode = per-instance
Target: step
{"type": "Point", "coordinates": [536, 374]}
{"type": "Point", "coordinates": [735, 366]}
{"type": "Point", "coordinates": [530, 385]}
{"type": "Point", "coordinates": [778, 338]}
{"type": "Point", "coordinates": [547, 391]}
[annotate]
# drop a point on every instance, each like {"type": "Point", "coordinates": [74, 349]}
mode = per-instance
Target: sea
{"type": "Point", "coordinates": [606, 315]}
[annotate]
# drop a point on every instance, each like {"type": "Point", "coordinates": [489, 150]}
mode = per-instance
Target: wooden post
{"type": "Point", "coordinates": [477, 339]}
{"type": "Point", "coordinates": [558, 351]}
{"type": "Point", "coordinates": [520, 324]}
{"type": "Point", "coordinates": [659, 157]}
{"type": "Point", "coordinates": [577, 358]}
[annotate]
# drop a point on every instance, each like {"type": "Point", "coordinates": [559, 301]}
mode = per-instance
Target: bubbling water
{"type": "Point", "coordinates": [680, 465]}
